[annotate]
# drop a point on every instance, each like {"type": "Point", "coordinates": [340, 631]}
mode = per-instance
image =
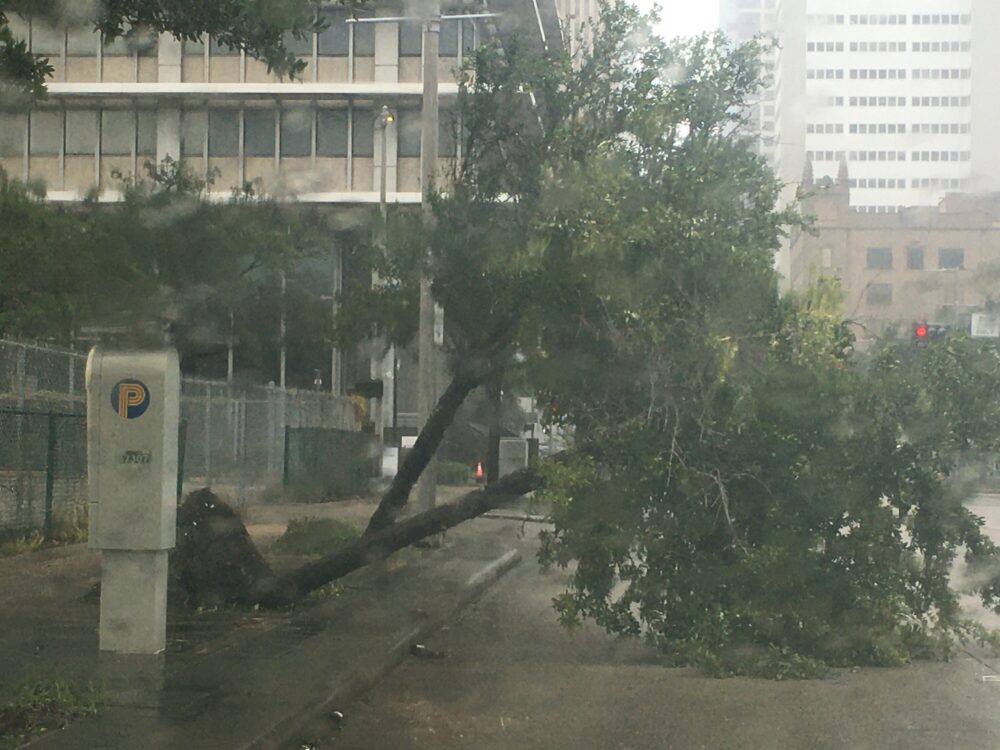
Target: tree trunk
{"type": "Point", "coordinates": [286, 589]}
{"type": "Point", "coordinates": [494, 419]}
{"type": "Point", "coordinates": [420, 455]}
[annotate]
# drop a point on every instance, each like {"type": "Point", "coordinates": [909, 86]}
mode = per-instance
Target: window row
{"type": "Point", "coordinates": [824, 155]}
{"type": "Point", "coordinates": [878, 46]}
{"type": "Point", "coordinates": [877, 156]}
{"type": "Point", "coordinates": [79, 132]}
{"type": "Point", "coordinates": [828, 73]}
{"type": "Point", "coordinates": [878, 128]}
{"type": "Point", "coordinates": [878, 73]}
{"type": "Point", "coordinates": [828, 128]}
{"type": "Point", "coordinates": [824, 47]}
{"type": "Point", "coordinates": [926, 183]}
{"type": "Point", "coordinates": [878, 20]}
{"type": "Point", "coordinates": [941, 101]}
{"type": "Point", "coordinates": [880, 183]}
{"type": "Point", "coordinates": [46, 40]}
{"type": "Point", "coordinates": [874, 209]}
{"type": "Point", "coordinates": [302, 132]}
{"type": "Point", "coordinates": [941, 156]}
{"type": "Point", "coordinates": [942, 128]}
{"type": "Point", "coordinates": [953, 19]}
{"type": "Point", "coordinates": [935, 74]}
{"type": "Point", "coordinates": [965, 46]}
{"type": "Point", "coordinates": [880, 258]}
{"type": "Point", "coordinates": [878, 101]}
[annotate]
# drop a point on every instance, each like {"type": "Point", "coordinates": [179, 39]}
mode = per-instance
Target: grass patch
{"type": "Point", "coordinates": [67, 528]}
{"type": "Point", "coordinates": [45, 705]}
{"type": "Point", "coordinates": [315, 536]}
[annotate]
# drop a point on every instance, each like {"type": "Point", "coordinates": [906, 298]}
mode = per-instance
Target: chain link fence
{"type": "Point", "coordinates": [232, 436]}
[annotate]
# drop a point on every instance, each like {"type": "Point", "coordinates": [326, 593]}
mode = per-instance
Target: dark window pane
{"type": "Point", "coordinates": [468, 37]}
{"type": "Point", "coordinates": [879, 294]}
{"type": "Point", "coordinates": [145, 43]}
{"type": "Point", "coordinates": [363, 133]}
{"type": "Point", "coordinates": [81, 132]}
{"type": "Point", "coordinates": [448, 134]}
{"type": "Point", "coordinates": [223, 132]}
{"type": "Point", "coordinates": [194, 48]}
{"type": "Point", "coordinates": [951, 257]}
{"type": "Point", "coordinates": [82, 41]}
{"type": "Point", "coordinates": [448, 41]}
{"type": "Point", "coordinates": [331, 132]}
{"type": "Point", "coordinates": [193, 126]}
{"type": "Point", "coordinates": [364, 38]}
{"type": "Point", "coordinates": [221, 50]}
{"type": "Point", "coordinates": [408, 133]}
{"type": "Point", "coordinates": [879, 258]}
{"type": "Point", "coordinates": [334, 40]}
{"type": "Point", "coordinates": [117, 47]}
{"type": "Point", "coordinates": [12, 134]}
{"type": "Point", "coordinates": [296, 132]}
{"type": "Point", "coordinates": [915, 258]}
{"type": "Point", "coordinates": [146, 126]}
{"type": "Point", "coordinates": [258, 132]}
{"type": "Point", "coordinates": [46, 133]}
{"type": "Point", "coordinates": [301, 47]}
{"type": "Point", "coordinates": [45, 39]}
{"type": "Point", "coordinates": [410, 38]}
{"type": "Point", "coordinates": [117, 132]}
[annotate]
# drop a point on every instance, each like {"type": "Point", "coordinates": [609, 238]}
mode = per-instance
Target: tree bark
{"type": "Point", "coordinates": [494, 419]}
{"type": "Point", "coordinates": [428, 440]}
{"type": "Point", "coordinates": [287, 589]}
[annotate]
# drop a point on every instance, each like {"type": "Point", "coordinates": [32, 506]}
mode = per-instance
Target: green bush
{"type": "Point", "coordinates": [453, 472]}
{"type": "Point", "coordinates": [315, 536]}
{"type": "Point", "coordinates": [42, 706]}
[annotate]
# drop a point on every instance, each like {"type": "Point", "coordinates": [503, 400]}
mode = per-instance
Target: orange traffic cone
{"type": "Point", "coordinates": [479, 471]}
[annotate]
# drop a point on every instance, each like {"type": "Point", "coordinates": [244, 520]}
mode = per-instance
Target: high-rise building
{"type": "Point", "coordinates": [905, 93]}
{"type": "Point", "coordinates": [742, 21]}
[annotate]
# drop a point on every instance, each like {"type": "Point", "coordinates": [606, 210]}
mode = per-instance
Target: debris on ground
{"type": "Point", "coordinates": [419, 649]}
{"type": "Point", "coordinates": [215, 562]}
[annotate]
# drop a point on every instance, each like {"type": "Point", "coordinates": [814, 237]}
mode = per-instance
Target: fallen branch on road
{"type": "Point", "coordinates": [285, 590]}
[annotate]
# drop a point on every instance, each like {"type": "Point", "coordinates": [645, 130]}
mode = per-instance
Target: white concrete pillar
{"type": "Point", "coordinates": [133, 601]}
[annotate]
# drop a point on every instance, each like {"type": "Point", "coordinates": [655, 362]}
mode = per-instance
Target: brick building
{"type": "Point", "coordinates": [933, 264]}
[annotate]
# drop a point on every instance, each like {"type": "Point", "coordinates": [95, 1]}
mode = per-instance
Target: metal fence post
{"type": "Point", "coordinates": [181, 448]}
{"type": "Point", "coordinates": [50, 477]}
{"type": "Point", "coordinates": [285, 457]}
{"type": "Point", "coordinates": [208, 435]}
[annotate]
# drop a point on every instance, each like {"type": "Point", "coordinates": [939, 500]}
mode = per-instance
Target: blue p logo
{"type": "Point", "coordinates": [130, 398]}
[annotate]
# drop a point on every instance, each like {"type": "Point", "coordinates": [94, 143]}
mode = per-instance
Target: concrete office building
{"type": "Point", "coordinates": [905, 92]}
{"type": "Point", "coordinates": [743, 20]}
{"type": "Point", "coordinates": [113, 107]}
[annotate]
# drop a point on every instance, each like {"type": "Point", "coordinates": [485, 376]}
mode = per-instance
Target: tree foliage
{"type": "Point", "coordinates": [741, 481]}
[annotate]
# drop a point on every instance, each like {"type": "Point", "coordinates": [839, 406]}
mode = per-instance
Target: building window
{"type": "Point", "coordinates": [82, 42]}
{"type": "Point", "coordinates": [81, 132]}
{"type": "Point", "coordinates": [300, 46]}
{"type": "Point", "coordinates": [223, 133]}
{"type": "Point", "coordinates": [878, 294]}
{"type": "Point", "coordinates": [296, 132]}
{"type": "Point", "coordinates": [11, 134]}
{"type": "Point", "coordinates": [194, 48]}
{"type": "Point", "coordinates": [331, 132]}
{"type": "Point", "coordinates": [879, 258]}
{"type": "Point", "coordinates": [45, 133]}
{"type": "Point", "coordinates": [194, 126]}
{"type": "Point", "coordinates": [826, 257]}
{"type": "Point", "coordinates": [410, 38]}
{"type": "Point", "coordinates": [364, 39]}
{"type": "Point", "coordinates": [335, 39]}
{"type": "Point", "coordinates": [146, 132]}
{"type": "Point", "coordinates": [448, 134]}
{"type": "Point", "coordinates": [951, 258]}
{"type": "Point", "coordinates": [915, 258]}
{"type": "Point", "coordinates": [46, 39]}
{"type": "Point", "coordinates": [117, 132]}
{"type": "Point", "coordinates": [216, 49]}
{"type": "Point", "coordinates": [363, 133]}
{"type": "Point", "coordinates": [448, 40]}
{"type": "Point", "coordinates": [408, 133]}
{"type": "Point", "coordinates": [258, 132]}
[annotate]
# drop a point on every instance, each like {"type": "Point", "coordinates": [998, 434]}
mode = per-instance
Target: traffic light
{"type": "Point", "coordinates": [925, 332]}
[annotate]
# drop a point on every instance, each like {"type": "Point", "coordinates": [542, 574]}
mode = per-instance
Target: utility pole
{"type": "Point", "coordinates": [427, 392]}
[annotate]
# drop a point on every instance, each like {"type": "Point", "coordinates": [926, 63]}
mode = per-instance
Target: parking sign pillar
{"type": "Point", "coordinates": [133, 420]}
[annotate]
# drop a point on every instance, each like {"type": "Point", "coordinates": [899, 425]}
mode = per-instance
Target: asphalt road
{"type": "Point", "coordinates": [510, 677]}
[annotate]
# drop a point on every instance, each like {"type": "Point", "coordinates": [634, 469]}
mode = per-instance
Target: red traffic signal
{"type": "Point", "coordinates": [920, 331]}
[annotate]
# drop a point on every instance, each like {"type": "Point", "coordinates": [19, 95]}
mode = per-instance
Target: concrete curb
{"type": "Point", "coordinates": [355, 683]}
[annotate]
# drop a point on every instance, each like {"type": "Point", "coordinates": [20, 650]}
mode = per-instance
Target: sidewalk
{"type": "Point", "coordinates": [236, 679]}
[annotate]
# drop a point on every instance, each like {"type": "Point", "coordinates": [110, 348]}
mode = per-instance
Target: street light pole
{"type": "Point", "coordinates": [378, 363]}
{"type": "Point", "coordinates": [426, 390]}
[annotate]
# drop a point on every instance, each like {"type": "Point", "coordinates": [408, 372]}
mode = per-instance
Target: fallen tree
{"type": "Point", "coordinates": [285, 590]}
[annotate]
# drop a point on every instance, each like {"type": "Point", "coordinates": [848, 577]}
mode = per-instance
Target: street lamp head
{"type": "Point", "coordinates": [385, 117]}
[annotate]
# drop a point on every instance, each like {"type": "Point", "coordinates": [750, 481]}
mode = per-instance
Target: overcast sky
{"type": "Point", "coordinates": [684, 17]}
